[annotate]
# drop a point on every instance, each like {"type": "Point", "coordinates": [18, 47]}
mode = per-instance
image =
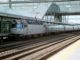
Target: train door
{"type": "Point", "coordinates": [5, 26]}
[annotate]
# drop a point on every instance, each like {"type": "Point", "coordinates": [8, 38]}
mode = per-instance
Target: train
{"type": "Point", "coordinates": [19, 26]}
{"type": "Point", "coordinates": [34, 27]}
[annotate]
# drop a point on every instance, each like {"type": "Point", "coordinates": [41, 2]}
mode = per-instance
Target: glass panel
{"type": "Point", "coordinates": [48, 18]}
{"type": "Point", "coordinates": [71, 19]}
{"type": "Point", "coordinates": [29, 6]}
{"type": "Point", "coordinates": [20, 0]}
{"type": "Point", "coordinates": [4, 5]}
{"type": "Point", "coordinates": [73, 6]}
{"type": "Point", "coordinates": [5, 25]}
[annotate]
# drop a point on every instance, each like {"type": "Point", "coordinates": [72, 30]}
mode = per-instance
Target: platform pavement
{"type": "Point", "coordinates": [71, 52]}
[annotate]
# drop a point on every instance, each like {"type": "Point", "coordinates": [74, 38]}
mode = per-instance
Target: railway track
{"type": "Point", "coordinates": [39, 49]}
{"type": "Point", "coordinates": [27, 42]}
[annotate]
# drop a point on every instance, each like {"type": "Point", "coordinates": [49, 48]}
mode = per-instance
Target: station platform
{"type": "Point", "coordinates": [71, 52]}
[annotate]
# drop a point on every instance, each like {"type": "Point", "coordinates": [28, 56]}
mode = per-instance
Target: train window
{"type": "Point", "coordinates": [14, 24]}
{"type": "Point", "coordinates": [20, 24]}
{"type": "Point", "coordinates": [25, 25]}
{"type": "Point", "coordinates": [5, 26]}
{"type": "Point", "coordinates": [24, 22]}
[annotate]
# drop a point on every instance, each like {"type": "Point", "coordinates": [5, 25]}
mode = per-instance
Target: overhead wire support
{"type": "Point", "coordinates": [10, 4]}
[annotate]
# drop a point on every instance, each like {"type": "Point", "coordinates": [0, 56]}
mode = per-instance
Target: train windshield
{"type": "Point", "coordinates": [19, 24]}
{"type": "Point", "coordinates": [14, 23]}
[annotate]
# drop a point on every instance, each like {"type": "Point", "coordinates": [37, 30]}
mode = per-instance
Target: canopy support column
{"type": "Point", "coordinates": [10, 4]}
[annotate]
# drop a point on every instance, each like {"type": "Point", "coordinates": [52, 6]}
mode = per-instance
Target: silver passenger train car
{"type": "Point", "coordinates": [32, 26]}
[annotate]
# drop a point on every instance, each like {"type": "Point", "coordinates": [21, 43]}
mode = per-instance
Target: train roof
{"type": "Point", "coordinates": [60, 23]}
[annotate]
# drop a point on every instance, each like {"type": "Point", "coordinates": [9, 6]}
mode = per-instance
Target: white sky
{"type": "Point", "coordinates": [72, 18]}
{"type": "Point", "coordinates": [12, 0]}
{"type": "Point", "coordinates": [3, 0]}
{"type": "Point", "coordinates": [74, 21]}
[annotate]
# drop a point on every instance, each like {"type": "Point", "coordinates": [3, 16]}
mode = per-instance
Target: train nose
{"type": "Point", "coordinates": [18, 29]}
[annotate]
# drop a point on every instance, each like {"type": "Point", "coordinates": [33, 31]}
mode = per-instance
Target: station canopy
{"type": "Point", "coordinates": [39, 8]}
{"type": "Point", "coordinates": [37, 1]}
